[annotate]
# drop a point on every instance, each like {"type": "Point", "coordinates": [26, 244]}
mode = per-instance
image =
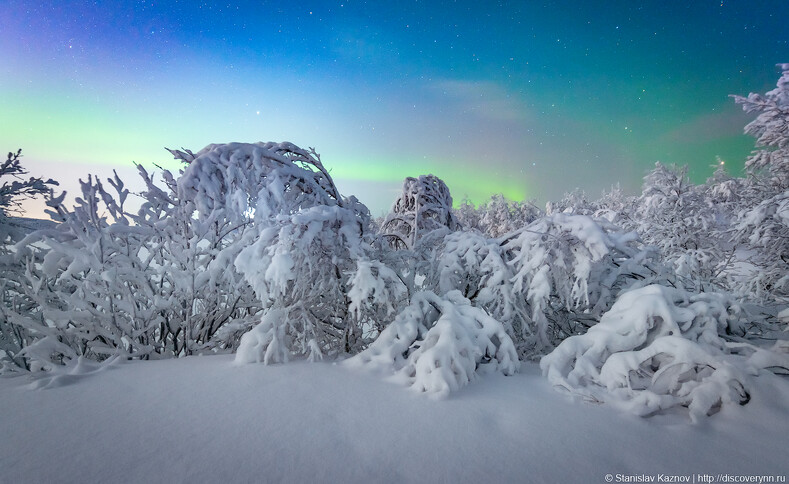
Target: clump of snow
{"type": "Point", "coordinates": [440, 344]}
{"type": "Point", "coordinates": [264, 343]}
{"type": "Point", "coordinates": [657, 348]}
{"type": "Point", "coordinates": [775, 358]}
{"type": "Point", "coordinates": [783, 316]}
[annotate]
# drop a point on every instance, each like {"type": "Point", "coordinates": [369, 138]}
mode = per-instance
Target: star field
{"type": "Point", "coordinates": [529, 99]}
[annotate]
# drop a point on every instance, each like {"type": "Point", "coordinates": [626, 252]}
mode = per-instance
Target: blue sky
{"type": "Point", "coordinates": [529, 99]}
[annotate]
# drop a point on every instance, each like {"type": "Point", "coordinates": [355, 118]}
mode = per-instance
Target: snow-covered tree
{"type": "Point", "coordinates": [574, 202]}
{"type": "Point", "coordinates": [424, 205]}
{"type": "Point", "coordinates": [205, 303]}
{"type": "Point", "coordinates": [570, 268]}
{"type": "Point", "coordinates": [403, 247]}
{"type": "Point", "coordinates": [479, 268]}
{"type": "Point", "coordinates": [771, 131]}
{"type": "Point", "coordinates": [764, 223]}
{"type": "Point", "coordinates": [766, 229]}
{"type": "Point", "coordinates": [264, 179]}
{"type": "Point", "coordinates": [469, 216]}
{"type": "Point", "coordinates": [656, 348]}
{"type": "Point", "coordinates": [15, 188]}
{"type": "Point", "coordinates": [299, 254]}
{"type": "Point", "coordinates": [677, 217]}
{"type": "Point", "coordinates": [376, 294]}
{"type": "Point", "coordinates": [722, 188]}
{"type": "Point", "coordinates": [497, 216]}
{"type": "Point", "coordinates": [300, 267]}
{"type": "Point", "coordinates": [615, 206]}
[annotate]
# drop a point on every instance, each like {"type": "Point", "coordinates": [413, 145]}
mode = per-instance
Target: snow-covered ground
{"type": "Point", "coordinates": [204, 419]}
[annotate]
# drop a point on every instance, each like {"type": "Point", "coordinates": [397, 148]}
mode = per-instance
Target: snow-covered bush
{"type": "Point", "coordinates": [245, 228]}
{"type": "Point", "coordinates": [153, 283]}
{"type": "Point", "coordinates": [544, 282]}
{"type": "Point", "coordinates": [85, 275]}
{"type": "Point", "coordinates": [569, 269]}
{"type": "Point", "coordinates": [13, 338]}
{"type": "Point", "coordinates": [265, 343]}
{"type": "Point", "coordinates": [15, 189]}
{"type": "Point", "coordinates": [424, 205]}
{"type": "Point", "coordinates": [655, 349]}
{"type": "Point", "coordinates": [439, 344]}
{"type": "Point", "coordinates": [548, 280]}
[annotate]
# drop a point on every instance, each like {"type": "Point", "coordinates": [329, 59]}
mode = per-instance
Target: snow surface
{"type": "Point", "coordinates": [204, 419]}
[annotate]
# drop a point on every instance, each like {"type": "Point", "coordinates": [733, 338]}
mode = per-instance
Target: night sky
{"type": "Point", "coordinates": [528, 99]}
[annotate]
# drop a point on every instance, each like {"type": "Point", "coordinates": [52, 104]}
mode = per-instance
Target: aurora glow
{"type": "Point", "coordinates": [522, 98]}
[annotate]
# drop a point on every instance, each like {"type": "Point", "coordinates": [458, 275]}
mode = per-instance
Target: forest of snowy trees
{"type": "Point", "coordinates": [676, 297]}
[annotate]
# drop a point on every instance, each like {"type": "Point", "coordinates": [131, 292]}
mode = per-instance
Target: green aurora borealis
{"type": "Point", "coordinates": [522, 98]}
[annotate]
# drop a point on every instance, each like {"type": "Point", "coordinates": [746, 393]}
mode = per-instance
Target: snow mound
{"type": "Point", "coordinates": [657, 348]}
{"type": "Point", "coordinates": [58, 376]}
{"type": "Point", "coordinates": [440, 344]}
